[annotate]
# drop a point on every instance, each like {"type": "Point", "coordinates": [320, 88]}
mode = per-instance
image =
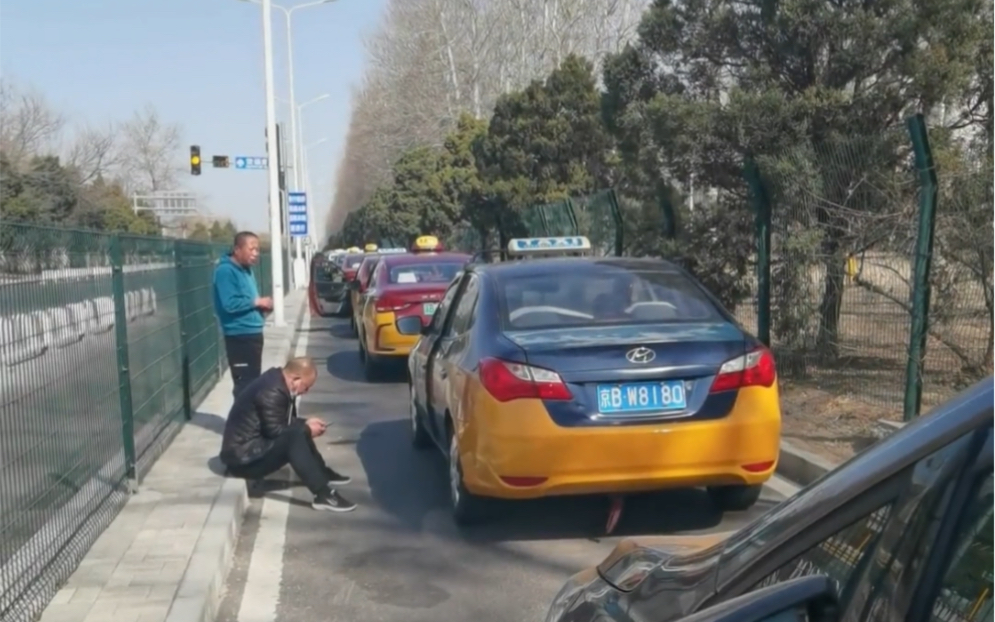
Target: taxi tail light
{"type": "Point", "coordinates": [753, 369]}
{"type": "Point", "coordinates": [508, 381]}
{"type": "Point", "coordinates": [389, 302]}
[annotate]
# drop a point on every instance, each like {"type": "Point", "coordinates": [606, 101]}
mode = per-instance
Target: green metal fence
{"type": "Point", "coordinates": [874, 273]}
{"type": "Point", "coordinates": [107, 344]}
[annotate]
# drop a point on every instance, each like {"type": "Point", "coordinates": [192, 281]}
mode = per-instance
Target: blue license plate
{"type": "Point", "coordinates": [636, 397]}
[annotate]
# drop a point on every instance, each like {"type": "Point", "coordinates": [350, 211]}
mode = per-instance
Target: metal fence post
{"type": "Point", "coordinates": [184, 310]}
{"type": "Point", "coordinates": [619, 223]}
{"type": "Point", "coordinates": [762, 210]}
{"type": "Point", "coordinates": [123, 367]}
{"type": "Point", "coordinates": [922, 266]}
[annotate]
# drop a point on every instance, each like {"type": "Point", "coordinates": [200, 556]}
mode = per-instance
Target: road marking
{"type": "Point", "coordinates": [263, 581]}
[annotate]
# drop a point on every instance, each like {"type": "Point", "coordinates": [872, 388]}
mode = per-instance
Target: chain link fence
{"type": "Point", "coordinates": [108, 342]}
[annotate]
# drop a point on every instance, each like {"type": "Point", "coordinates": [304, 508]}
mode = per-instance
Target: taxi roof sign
{"type": "Point", "coordinates": [370, 248]}
{"type": "Point", "coordinates": [548, 246]}
{"type": "Point", "coordinates": [354, 249]}
{"type": "Point", "coordinates": [426, 243]}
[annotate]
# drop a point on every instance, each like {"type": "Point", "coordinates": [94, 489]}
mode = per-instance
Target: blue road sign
{"type": "Point", "coordinates": [296, 203]}
{"type": "Point", "coordinates": [298, 229]}
{"type": "Point", "coordinates": [251, 163]}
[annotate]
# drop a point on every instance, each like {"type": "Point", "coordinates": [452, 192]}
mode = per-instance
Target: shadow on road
{"type": "Point", "coordinates": [341, 331]}
{"type": "Point", "coordinates": [345, 365]}
{"type": "Point", "coordinates": [408, 484]}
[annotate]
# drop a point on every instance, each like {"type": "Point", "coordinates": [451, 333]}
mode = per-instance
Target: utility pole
{"type": "Point", "coordinates": [272, 153]}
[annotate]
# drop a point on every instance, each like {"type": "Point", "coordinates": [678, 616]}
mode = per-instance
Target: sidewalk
{"type": "Point", "coordinates": [166, 555]}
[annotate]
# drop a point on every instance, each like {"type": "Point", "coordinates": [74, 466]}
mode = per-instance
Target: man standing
{"type": "Point", "coordinates": [263, 434]}
{"type": "Point", "coordinates": [240, 310]}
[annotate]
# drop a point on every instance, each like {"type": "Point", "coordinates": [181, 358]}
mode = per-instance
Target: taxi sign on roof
{"type": "Point", "coordinates": [370, 248]}
{"type": "Point", "coordinates": [354, 249]}
{"type": "Point", "coordinates": [548, 246]}
{"type": "Point", "coordinates": [426, 243]}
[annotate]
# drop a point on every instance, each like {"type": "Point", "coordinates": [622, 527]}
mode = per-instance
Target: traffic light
{"type": "Point", "coordinates": [195, 159]}
{"type": "Point", "coordinates": [221, 161]}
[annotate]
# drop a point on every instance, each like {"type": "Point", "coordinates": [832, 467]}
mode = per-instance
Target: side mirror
{"type": "Point", "coordinates": [807, 599]}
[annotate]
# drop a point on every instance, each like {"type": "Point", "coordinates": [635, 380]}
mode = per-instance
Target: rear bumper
{"type": "Point", "coordinates": [388, 342]}
{"type": "Point", "coordinates": [519, 440]}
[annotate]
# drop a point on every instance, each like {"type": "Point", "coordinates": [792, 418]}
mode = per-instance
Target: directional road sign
{"type": "Point", "coordinates": [297, 213]}
{"type": "Point", "coordinates": [251, 163]}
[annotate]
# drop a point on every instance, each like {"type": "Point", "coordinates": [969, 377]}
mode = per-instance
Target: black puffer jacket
{"type": "Point", "coordinates": [261, 412]}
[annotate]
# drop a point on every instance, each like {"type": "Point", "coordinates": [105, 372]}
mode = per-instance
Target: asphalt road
{"type": "Point", "coordinates": [399, 557]}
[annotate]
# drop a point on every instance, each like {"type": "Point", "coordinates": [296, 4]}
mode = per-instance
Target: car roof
{"type": "Point", "coordinates": [415, 258]}
{"type": "Point", "coordinates": [536, 267]}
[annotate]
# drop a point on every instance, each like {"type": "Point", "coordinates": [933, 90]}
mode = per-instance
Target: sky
{"type": "Point", "coordinates": [200, 63]}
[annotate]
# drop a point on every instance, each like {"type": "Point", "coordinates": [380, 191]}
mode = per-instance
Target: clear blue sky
{"type": "Point", "coordinates": [200, 62]}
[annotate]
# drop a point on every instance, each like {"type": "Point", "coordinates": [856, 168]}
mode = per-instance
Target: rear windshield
{"type": "Point", "coordinates": [593, 295]}
{"type": "Point", "coordinates": [351, 263]}
{"type": "Point", "coordinates": [435, 272]}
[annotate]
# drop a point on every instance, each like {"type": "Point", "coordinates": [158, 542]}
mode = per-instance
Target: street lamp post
{"type": "Point", "coordinates": [268, 5]}
{"type": "Point", "coordinates": [275, 226]}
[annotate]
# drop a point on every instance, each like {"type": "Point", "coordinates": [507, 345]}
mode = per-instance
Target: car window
{"type": "Point", "coordinates": [884, 550]}
{"type": "Point", "coordinates": [966, 590]}
{"type": "Point", "coordinates": [587, 294]}
{"type": "Point", "coordinates": [440, 312]}
{"type": "Point", "coordinates": [352, 263]}
{"type": "Point", "coordinates": [423, 272]}
{"type": "Point", "coordinates": [463, 317]}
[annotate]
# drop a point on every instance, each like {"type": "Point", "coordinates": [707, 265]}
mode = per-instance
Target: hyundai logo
{"type": "Point", "coordinates": [640, 355]}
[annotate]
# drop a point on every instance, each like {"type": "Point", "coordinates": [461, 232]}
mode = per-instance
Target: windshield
{"type": "Point", "coordinates": [352, 263]}
{"type": "Point", "coordinates": [435, 272]}
{"type": "Point", "coordinates": [590, 294]}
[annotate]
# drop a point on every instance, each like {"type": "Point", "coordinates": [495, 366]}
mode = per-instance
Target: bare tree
{"type": "Point", "coordinates": [28, 125]}
{"type": "Point", "coordinates": [149, 152]}
{"type": "Point", "coordinates": [93, 152]}
{"type": "Point", "coordinates": [431, 60]}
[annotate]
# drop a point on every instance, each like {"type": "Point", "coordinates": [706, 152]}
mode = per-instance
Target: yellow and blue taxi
{"type": "Point", "coordinates": [552, 374]}
{"type": "Point", "coordinates": [401, 298]}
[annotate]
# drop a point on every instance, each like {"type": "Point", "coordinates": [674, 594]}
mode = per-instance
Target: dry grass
{"type": "Point", "coordinates": [832, 408]}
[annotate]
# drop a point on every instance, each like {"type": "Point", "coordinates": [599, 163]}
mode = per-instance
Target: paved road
{"type": "Point", "coordinates": [399, 557]}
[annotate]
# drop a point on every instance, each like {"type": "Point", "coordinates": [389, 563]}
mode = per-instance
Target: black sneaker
{"type": "Point", "coordinates": [332, 501]}
{"type": "Point", "coordinates": [335, 478]}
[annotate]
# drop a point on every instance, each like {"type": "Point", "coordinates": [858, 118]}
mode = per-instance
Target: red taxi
{"type": "Point", "coordinates": [401, 298]}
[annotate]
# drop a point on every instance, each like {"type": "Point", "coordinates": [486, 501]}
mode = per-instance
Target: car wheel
{"type": "Point", "coordinates": [734, 498]}
{"type": "Point", "coordinates": [419, 435]}
{"type": "Point", "coordinates": [468, 509]}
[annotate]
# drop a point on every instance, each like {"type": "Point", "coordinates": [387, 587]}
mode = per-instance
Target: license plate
{"type": "Point", "coordinates": [429, 308]}
{"type": "Point", "coordinates": [641, 397]}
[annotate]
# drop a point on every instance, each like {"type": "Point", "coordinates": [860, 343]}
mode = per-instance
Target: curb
{"type": "Point", "coordinates": [201, 587]}
{"type": "Point", "coordinates": [801, 467]}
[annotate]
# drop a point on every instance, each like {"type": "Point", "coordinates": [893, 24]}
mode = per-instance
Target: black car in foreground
{"type": "Point", "coordinates": [900, 533]}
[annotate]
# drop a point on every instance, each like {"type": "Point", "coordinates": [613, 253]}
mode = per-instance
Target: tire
{"type": "Point", "coordinates": [734, 498]}
{"type": "Point", "coordinates": [468, 509]}
{"type": "Point", "coordinates": [419, 435]}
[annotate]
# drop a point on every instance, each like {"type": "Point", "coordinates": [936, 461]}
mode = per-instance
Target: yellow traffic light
{"type": "Point", "coordinates": [195, 159]}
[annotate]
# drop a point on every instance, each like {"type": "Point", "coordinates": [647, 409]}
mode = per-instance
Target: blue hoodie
{"type": "Point", "coordinates": [235, 296]}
